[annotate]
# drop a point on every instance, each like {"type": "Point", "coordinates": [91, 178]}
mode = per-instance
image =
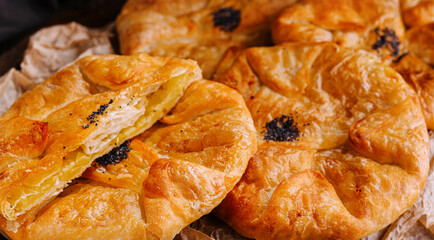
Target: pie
{"type": "Point", "coordinates": [342, 143]}
{"type": "Point", "coordinates": [52, 133]}
{"type": "Point", "coordinates": [154, 185]}
{"type": "Point", "coordinates": [206, 31]}
{"type": "Point", "coordinates": [375, 26]}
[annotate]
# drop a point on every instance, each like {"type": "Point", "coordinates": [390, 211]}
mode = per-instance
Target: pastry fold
{"type": "Point", "coordinates": [420, 42]}
{"type": "Point", "coordinates": [52, 133]}
{"type": "Point", "coordinates": [342, 143]}
{"type": "Point", "coordinates": [417, 12]}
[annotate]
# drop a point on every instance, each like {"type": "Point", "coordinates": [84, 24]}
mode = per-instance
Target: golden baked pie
{"type": "Point", "coordinates": [154, 185]}
{"type": "Point", "coordinates": [417, 12]}
{"type": "Point", "coordinates": [52, 133]}
{"type": "Point", "coordinates": [203, 30]}
{"type": "Point", "coordinates": [342, 143]}
{"type": "Point", "coordinates": [375, 26]}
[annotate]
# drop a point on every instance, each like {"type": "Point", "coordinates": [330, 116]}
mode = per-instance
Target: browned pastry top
{"type": "Point", "coordinates": [420, 41]}
{"type": "Point", "coordinates": [153, 186]}
{"type": "Point", "coordinates": [375, 26]}
{"type": "Point", "coordinates": [342, 143]}
{"type": "Point", "coordinates": [417, 12]}
{"type": "Point", "coordinates": [206, 31]}
{"type": "Point", "coordinates": [51, 134]}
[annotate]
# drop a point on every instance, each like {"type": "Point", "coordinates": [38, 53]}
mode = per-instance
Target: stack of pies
{"type": "Point", "coordinates": [314, 126]}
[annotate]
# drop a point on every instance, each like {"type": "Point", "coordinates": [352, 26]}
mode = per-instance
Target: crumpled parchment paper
{"type": "Point", "coordinates": [53, 48]}
{"type": "Point", "coordinates": [49, 50]}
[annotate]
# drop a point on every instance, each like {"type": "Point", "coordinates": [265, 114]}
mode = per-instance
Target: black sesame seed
{"type": "Point", "coordinates": [386, 38]}
{"type": "Point", "coordinates": [227, 19]}
{"type": "Point", "coordinates": [116, 155]}
{"type": "Point", "coordinates": [282, 129]}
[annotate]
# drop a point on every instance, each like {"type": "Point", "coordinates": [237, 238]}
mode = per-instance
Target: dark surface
{"type": "Point", "coordinates": [19, 15]}
{"type": "Point", "coordinates": [91, 13]}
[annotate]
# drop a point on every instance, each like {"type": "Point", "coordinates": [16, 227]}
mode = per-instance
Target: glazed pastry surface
{"type": "Point", "coordinates": [342, 143]}
{"type": "Point", "coordinates": [206, 31]}
{"type": "Point", "coordinates": [420, 76]}
{"type": "Point", "coordinates": [375, 26]}
{"type": "Point", "coordinates": [415, 66]}
{"type": "Point", "coordinates": [420, 41]}
{"type": "Point", "coordinates": [175, 172]}
{"type": "Point", "coordinates": [417, 12]}
{"type": "Point", "coordinates": [52, 133]}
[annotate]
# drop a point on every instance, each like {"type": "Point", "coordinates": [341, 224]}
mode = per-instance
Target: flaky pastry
{"type": "Point", "coordinates": [415, 66]}
{"type": "Point", "coordinates": [420, 76]}
{"type": "Point", "coordinates": [153, 186]}
{"type": "Point", "coordinates": [203, 30]}
{"type": "Point", "coordinates": [417, 12]}
{"type": "Point", "coordinates": [420, 42]}
{"type": "Point", "coordinates": [52, 133]}
{"type": "Point", "coordinates": [375, 26]}
{"type": "Point", "coordinates": [342, 143]}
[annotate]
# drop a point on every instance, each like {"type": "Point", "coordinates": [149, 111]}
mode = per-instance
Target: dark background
{"type": "Point", "coordinates": [21, 18]}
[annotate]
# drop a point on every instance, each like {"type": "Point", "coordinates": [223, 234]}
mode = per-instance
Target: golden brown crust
{"type": "Point", "coordinates": [349, 23]}
{"type": "Point", "coordinates": [420, 76]}
{"type": "Point", "coordinates": [130, 173]}
{"type": "Point", "coordinates": [361, 156]}
{"type": "Point", "coordinates": [78, 114]}
{"type": "Point", "coordinates": [186, 28]}
{"type": "Point", "coordinates": [87, 210]}
{"type": "Point", "coordinates": [420, 42]}
{"type": "Point", "coordinates": [417, 12]}
{"type": "Point", "coordinates": [180, 170]}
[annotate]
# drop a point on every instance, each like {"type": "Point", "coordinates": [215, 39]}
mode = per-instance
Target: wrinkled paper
{"type": "Point", "coordinates": [53, 48]}
{"type": "Point", "coordinates": [49, 50]}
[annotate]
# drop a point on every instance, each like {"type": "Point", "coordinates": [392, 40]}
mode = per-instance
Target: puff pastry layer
{"type": "Point", "coordinates": [420, 76]}
{"type": "Point", "coordinates": [417, 12]}
{"type": "Point", "coordinates": [206, 31]}
{"type": "Point", "coordinates": [420, 41]}
{"type": "Point", "coordinates": [375, 26]}
{"type": "Point", "coordinates": [350, 148]}
{"type": "Point", "coordinates": [175, 172]}
{"type": "Point", "coordinates": [52, 133]}
{"type": "Point", "coordinates": [416, 67]}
